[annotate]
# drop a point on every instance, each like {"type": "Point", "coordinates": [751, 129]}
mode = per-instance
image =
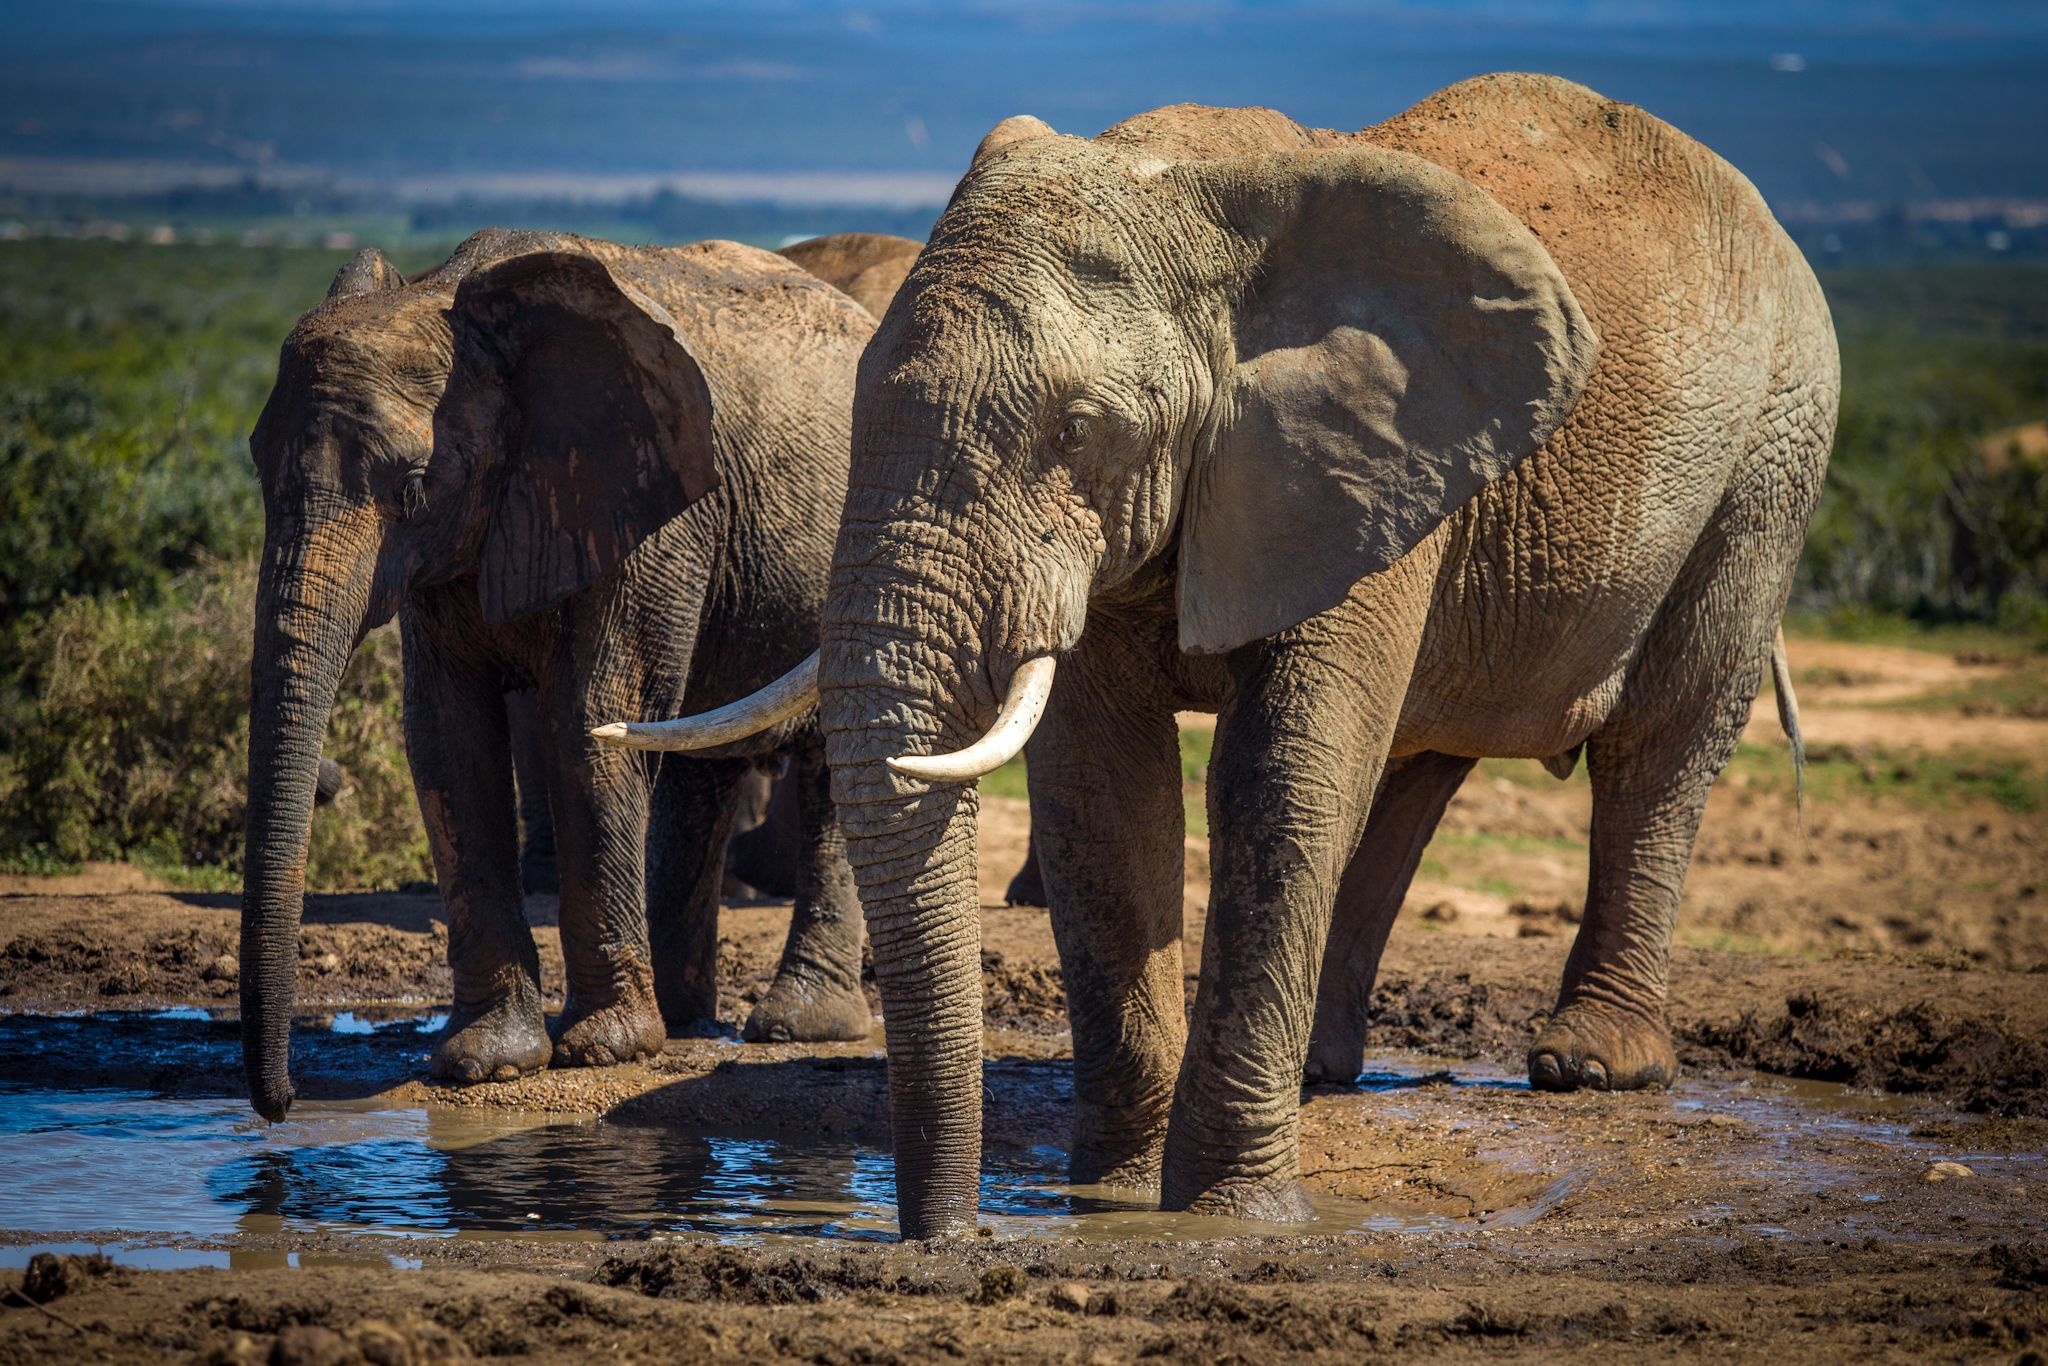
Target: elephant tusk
{"type": "Point", "coordinates": [788, 696]}
{"type": "Point", "coordinates": [1030, 686]}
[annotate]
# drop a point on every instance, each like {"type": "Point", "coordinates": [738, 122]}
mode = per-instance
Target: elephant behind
{"type": "Point", "coordinates": [608, 475]}
{"type": "Point", "coordinates": [763, 857]}
{"type": "Point", "coordinates": [1493, 429]}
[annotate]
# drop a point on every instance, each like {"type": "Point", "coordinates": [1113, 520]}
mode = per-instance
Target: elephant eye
{"type": "Point", "coordinates": [1073, 433]}
{"type": "Point", "coordinates": [412, 497]}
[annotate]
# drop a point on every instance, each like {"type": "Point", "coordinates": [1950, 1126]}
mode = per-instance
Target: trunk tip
{"type": "Point", "coordinates": [273, 1102]}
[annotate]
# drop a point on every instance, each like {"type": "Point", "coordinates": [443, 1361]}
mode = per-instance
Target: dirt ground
{"type": "Point", "coordinates": [1887, 947]}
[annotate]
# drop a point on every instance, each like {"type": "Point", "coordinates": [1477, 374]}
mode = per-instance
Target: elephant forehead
{"type": "Point", "coordinates": [399, 348]}
{"type": "Point", "coordinates": [993, 333]}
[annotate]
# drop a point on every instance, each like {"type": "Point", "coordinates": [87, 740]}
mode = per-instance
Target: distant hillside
{"type": "Point", "coordinates": [1823, 102]}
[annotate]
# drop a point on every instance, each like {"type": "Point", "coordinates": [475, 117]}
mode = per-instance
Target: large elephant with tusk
{"type": "Point", "coordinates": [608, 475]}
{"type": "Point", "coordinates": [1493, 429]}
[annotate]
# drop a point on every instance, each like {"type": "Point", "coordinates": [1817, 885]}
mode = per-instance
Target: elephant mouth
{"type": "Point", "coordinates": [1024, 703]}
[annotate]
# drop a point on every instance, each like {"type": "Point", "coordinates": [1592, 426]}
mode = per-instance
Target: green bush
{"type": "Point", "coordinates": [1913, 520]}
{"type": "Point", "coordinates": [129, 378]}
{"type": "Point", "coordinates": [130, 725]}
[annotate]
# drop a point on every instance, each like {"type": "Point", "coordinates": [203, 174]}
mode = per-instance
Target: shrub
{"type": "Point", "coordinates": [129, 725]}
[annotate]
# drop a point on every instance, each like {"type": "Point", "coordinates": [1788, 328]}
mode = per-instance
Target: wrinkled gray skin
{"type": "Point", "coordinates": [605, 474]}
{"type": "Point", "coordinates": [762, 860]}
{"type": "Point", "coordinates": [1491, 430]}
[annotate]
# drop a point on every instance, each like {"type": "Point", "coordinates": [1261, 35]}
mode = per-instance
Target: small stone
{"type": "Point", "coordinates": [1724, 1121]}
{"type": "Point", "coordinates": [51, 1275]}
{"type": "Point", "coordinates": [311, 1344]}
{"type": "Point", "coordinates": [225, 968]}
{"type": "Point", "coordinates": [239, 1350]}
{"type": "Point", "coordinates": [326, 963]}
{"type": "Point", "coordinates": [130, 979]}
{"type": "Point", "coordinates": [413, 1341]}
{"type": "Point", "coordinates": [1946, 1171]}
{"type": "Point", "coordinates": [1000, 1282]}
{"type": "Point", "coordinates": [1071, 1296]}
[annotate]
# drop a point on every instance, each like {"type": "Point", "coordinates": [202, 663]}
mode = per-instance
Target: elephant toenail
{"type": "Point", "coordinates": [1595, 1073]}
{"type": "Point", "coordinates": [1546, 1072]}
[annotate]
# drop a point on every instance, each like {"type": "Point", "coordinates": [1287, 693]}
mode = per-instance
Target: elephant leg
{"type": "Point", "coordinates": [1405, 812]}
{"type": "Point", "coordinates": [459, 751]}
{"type": "Point", "coordinates": [1108, 817]}
{"type": "Point", "coordinates": [1298, 755]}
{"type": "Point", "coordinates": [816, 994]}
{"type": "Point", "coordinates": [529, 765]}
{"type": "Point", "coordinates": [1652, 764]}
{"type": "Point", "coordinates": [1027, 888]}
{"type": "Point", "coordinates": [695, 804]}
{"type": "Point", "coordinates": [601, 804]}
{"type": "Point", "coordinates": [764, 852]}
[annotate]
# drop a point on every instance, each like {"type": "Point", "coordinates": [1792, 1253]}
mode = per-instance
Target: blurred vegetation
{"type": "Point", "coordinates": [129, 521]}
{"type": "Point", "coordinates": [129, 718]}
{"type": "Point", "coordinates": [130, 375]}
{"type": "Point", "coordinates": [1927, 517]}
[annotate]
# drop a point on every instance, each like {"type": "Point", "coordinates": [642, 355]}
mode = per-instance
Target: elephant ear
{"type": "Point", "coordinates": [1401, 341]}
{"type": "Point", "coordinates": [367, 272]}
{"type": "Point", "coordinates": [603, 423]}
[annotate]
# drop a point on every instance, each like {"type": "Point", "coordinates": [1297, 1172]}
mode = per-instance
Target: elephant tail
{"type": "Point", "coordinates": [1788, 719]}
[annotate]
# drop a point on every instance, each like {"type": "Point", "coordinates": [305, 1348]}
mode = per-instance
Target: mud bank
{"type": "Point", "coordinates": [731, 1201]}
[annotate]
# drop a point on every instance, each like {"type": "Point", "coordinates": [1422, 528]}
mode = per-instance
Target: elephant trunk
{"type": "Point", "coordinates": [312, 599]}
{"type": "Point", "coordinates": [886, 675]}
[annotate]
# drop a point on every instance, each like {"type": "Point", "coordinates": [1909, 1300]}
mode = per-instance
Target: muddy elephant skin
{"type": "Point", "coordinates": [1493, 429]}
{"type": "Point", "coordinates": [609, 475]}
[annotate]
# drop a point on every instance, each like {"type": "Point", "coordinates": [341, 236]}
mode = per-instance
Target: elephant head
{"type": "Point", "coordinates": [1208, 345]}
{"type": "Point", "coordinates": [525, 430]}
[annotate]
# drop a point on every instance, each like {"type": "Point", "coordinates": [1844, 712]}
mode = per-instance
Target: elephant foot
{"type": "Point", "coordinates": [691, 1014]}
{"type": "Point", "coordinates": [1027, 888]}
{"type": "Point", "coordinates": [627, 1030]}
{"type": "Point", "coordinates": [795, 1011]}
{"type": "Point", "coordinates": [1119, 1145]}
{"type": "Point", "coordinates": [1597, 1047]}
{"type": "Point", "coordinates": [1333, 1061]}
{"type": "Point", "coordinates": [1090, 1165]}
{"type": "Point", "coordinates": [1269, 1201]}
{"type": "Point", "coordinates": [502, 1043]}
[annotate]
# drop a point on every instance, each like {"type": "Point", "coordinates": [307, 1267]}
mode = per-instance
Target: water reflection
{"type": "Point", "coordinates": [102, 1160]}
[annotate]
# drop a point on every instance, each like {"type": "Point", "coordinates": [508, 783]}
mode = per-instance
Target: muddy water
{"type": "Point", "coordinates": [181, 1179]}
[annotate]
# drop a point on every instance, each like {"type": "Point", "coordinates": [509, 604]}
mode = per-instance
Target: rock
{"type": "Point", "coordinates": [1000, 1282]}
{"type": "Point", "coordinates": [1946, 1171]}
{"type": "Point", "coordinates": [1071, 1296]}
{"type": "Point", "coordinates": [239, 1350]}
{"type": "Point", "coordinates": [414, 1341]}
{"type": "Point", "coordinates": [130, 979]}
{"type": "Point", "coordinates": [1440, 913]}
{"type": "Point", "coordinates": [1724, 1121]}
{"type": "Point", "coordinates": [225, 968]}
{"type": "Point", "coordinates": [51, 1276]}
{"type": "Point", "coordinates": [311, 1344]}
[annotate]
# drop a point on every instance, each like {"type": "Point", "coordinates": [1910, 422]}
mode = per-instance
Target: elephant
{"type": "Point", "coordinates": [868, 267]}
{"type": "Point", "coordinates": [1493, 429]}
{"type": "Point", "coordinates": [609, 475]}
